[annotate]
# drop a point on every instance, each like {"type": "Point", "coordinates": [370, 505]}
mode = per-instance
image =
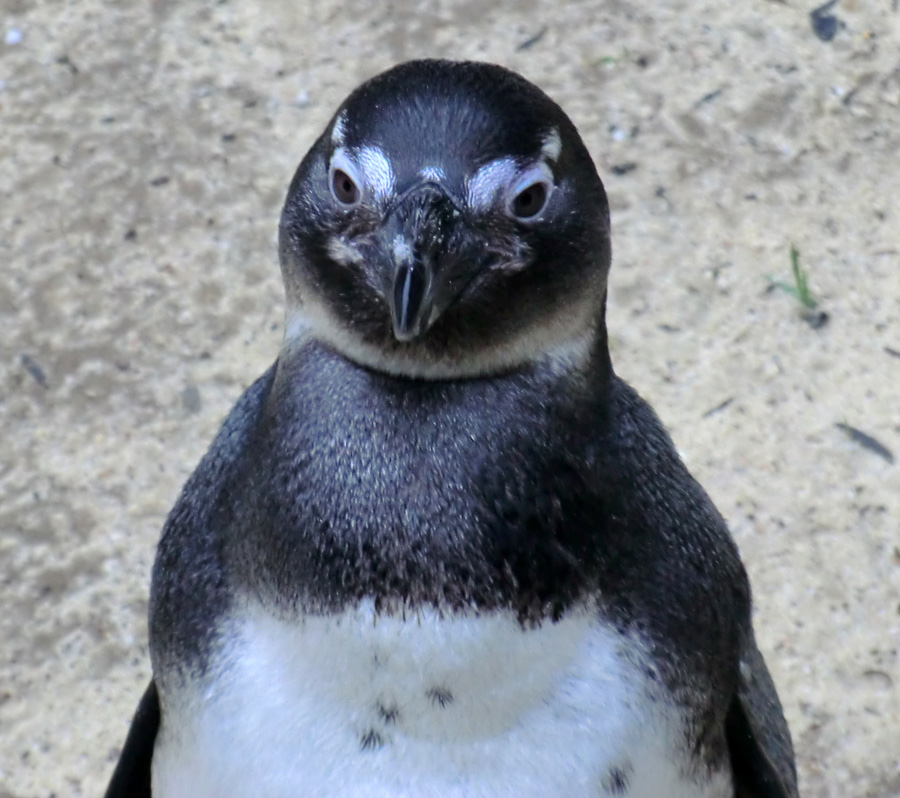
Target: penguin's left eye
{"type": "Point", "coordinates": [530, 201]}
{"type": "Point", "coordinates": [530, 195]}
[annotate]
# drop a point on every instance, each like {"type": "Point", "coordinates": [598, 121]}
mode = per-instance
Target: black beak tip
{"type": "Point", "coordinates": [403, 332]}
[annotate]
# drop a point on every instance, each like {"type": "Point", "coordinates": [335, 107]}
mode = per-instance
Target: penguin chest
{"type": "Point", "coordinates": [360, 704]}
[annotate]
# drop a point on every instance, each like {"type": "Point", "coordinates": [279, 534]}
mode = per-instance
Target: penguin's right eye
{"type": "Point", "coordinates": [344, 188]}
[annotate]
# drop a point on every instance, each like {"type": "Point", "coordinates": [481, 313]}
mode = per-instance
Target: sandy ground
{"type": "Point", "coordinates": [144, 153]}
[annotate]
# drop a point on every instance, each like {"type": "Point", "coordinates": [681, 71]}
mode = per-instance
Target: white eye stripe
{"type": "Point", "coordinates": [505, 175]}
{"type": "Point", "coordinates": [552, 145]}
{"type": "Point", "coordinates": [337, 132]}
{"type": "Point", "coordinates": [369, 168]}
{"type": "Point", "coordinates": [539, 173]}
{"type": "Point", "coordinates": [495, 176]}
{"type": "Point", "coordinates": [376, 168]}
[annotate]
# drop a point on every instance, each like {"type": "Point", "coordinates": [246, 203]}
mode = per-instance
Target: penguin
{"type": "Point", "coordinates": [439, 548]}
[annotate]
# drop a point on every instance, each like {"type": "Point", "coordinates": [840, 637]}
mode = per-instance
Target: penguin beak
{"type": "Point", "coordinates": [428, 266]}
{"type": "Point", "coordinates": [412, 300]}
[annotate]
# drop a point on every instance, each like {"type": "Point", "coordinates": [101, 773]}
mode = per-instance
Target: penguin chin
{"type": "Point", "coordinates": [565, 341]}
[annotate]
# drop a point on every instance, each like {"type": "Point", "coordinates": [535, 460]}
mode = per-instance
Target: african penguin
{"type": "Point", "coordinates": [439, 548]}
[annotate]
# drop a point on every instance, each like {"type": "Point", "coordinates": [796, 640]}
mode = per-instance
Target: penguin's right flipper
{"type": "Point", "coordinates": [131, 778]}
{"type": "Point", "coordinates": [762, 757]}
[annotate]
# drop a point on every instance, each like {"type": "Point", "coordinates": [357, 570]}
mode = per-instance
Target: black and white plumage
{"type": "Point", "coordinates": [439, 548]}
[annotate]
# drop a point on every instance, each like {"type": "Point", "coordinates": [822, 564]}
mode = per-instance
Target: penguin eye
{"type": "Point", "coordinates": [344, 188]}
{"type": "Point", "coordinates": [530, 201]}
{"type": "Point", "coordinates": [530, 193]}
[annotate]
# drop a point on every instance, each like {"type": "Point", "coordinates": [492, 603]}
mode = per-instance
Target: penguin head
{"type": "Point", "coordinates": [449, 222]}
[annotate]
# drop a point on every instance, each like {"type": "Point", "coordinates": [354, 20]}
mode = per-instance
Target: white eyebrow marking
{"type": "Point", "coordinates": [483, 186]}
{"type": "Point", "coordinates": [377, 171]}
{"type": "Point", "coordinates": [552, 145]}
{"type": "Point", "coordinates": [337, 132]}
{"type": "Point", "coordinates": [431, 173]}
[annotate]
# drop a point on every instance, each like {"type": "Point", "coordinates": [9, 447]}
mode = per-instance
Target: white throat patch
{"type": "Point", "coordinates": [563, 344]}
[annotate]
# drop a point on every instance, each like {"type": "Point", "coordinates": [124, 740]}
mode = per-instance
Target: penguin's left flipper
{"type": "Point", "coordinates": [762, 756]}
{"type": "Point", "coordinates": [131, 778]}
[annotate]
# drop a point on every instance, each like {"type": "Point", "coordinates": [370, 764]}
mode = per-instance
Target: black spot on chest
{"type": "Point", "coordinates": [617, 779]}
{"type": "Point", "coordinates": [370, 740]}
{"type": "Point", "coordinates": [388, 714]}
{"type": "Point", "coordinates": [439, 697]}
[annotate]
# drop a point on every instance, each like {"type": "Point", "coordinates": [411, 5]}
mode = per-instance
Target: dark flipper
{"type": "Point", "coordinates": [759, 742]}
{"type": "Point", "coordinates": [131, 778]}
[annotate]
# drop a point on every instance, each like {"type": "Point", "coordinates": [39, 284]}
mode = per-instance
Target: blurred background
{"type": "Point", "coordinates": [145, 150]}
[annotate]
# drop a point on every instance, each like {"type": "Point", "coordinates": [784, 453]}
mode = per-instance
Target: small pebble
{"type": "Point", "coordinates": [623, 168]}
{"type": "Point", "coordinates": [816, 319]}
{"type": "Point", "coordinates": [824, 25]}
{"type": "Point", "coordinates": [190, 399]}
{"type": "Point", "coordinates": [867, 442]}
{"type": "Point", "coordinates": [530, 42]}
{"type": "Point", "coordinates": [34, 369]}
{"type": "Point", "coordinates": [13, 36]}
{"type": "Point", "coordinates": [302, 99]}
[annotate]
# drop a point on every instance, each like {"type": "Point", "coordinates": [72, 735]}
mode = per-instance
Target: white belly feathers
{"type": "Point", "coordinates": [370, 706]}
